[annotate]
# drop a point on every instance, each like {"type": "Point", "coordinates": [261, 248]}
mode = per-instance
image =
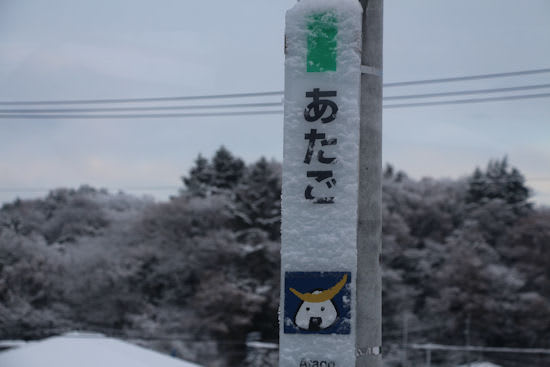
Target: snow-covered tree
{"type": "Point", "coordinates": [498, 181]}
{"type": "Point", "coordinates": [219, 175]}
{"type": "Point", "coordinates": [258, 199]}
{"type": "Point", "coordinates": [228, 170]}
{"type": "Point", "coordinates": [205, 264]}
{"type": "Point", "coordinates": [200, 179]}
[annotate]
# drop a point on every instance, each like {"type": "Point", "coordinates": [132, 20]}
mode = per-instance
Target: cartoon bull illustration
{"type": "Point", "coordinates": [317, 310]}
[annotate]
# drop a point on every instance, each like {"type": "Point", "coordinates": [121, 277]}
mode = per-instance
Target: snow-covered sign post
{"type": "Point", "coordinates": [320, 184]}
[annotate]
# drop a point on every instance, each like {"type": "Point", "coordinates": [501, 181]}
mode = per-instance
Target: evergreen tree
{"type": "Point", "coordinates": [258, 199]}
{"type": "Point", "coordinates": [222, 174]}
{"type": "Point", "coordinates": [495, 200]}
{"type": "Point", "coordinates": [200, 178]}
{"type": "Point", "coordinates": [497, 182]}
{"type": "Point", "coordinates": [228, 170]}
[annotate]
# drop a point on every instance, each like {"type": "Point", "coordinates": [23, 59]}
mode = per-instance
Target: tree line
{"type": "Point", "coordinates": [197, 274]}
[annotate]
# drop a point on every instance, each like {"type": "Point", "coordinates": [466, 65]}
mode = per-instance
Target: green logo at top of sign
{"type": "Point", "coordinates": [321, 42]}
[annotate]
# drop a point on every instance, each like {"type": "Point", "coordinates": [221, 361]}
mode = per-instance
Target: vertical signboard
{"type": "Point", "coordinates": [320, 184]}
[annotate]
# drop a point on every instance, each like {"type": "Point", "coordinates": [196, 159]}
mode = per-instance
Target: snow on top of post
{"type": "Point", "coordinates": [321, 236]}
{"type": "Point", "coordinates": [320, 5]}
{"type": "Point", "coordinates": [344, 15]}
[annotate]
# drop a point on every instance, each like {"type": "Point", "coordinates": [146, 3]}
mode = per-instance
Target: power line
{"type": "Point", "coordinates": [465, 92]}
{"type": "Point", "coordinates": [265, 93]}
{"type": "Point", "coordinates": [134, 100]}
{"type": "Point", "coordinates": [469, 77]}
{"type": "Point", "coordinates": [139, 116]}
{"type": "Point", "coordinates": [256, 105]}
{"type": "Point", "coordinates": [479, 349]}
{"type": "Point", "coordinates": [11, 190]}
{"type": "Point", "coordinates": [166, 188]}
{"type": "Point", "coordinates": [466, 101]}
{"type": "Point", "coordinates": [262, 112]}
{"type": "Point", "coordinates": [152, 108]}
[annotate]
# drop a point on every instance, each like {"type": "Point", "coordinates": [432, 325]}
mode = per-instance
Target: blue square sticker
{"type": "Point", "coordinates": [317, 303]}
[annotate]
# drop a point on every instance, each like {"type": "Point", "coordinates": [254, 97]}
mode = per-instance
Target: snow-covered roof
{"type": "Point", "coordinates": [480, 364]}
{"type": "Point", "coordinates": [86, 350]}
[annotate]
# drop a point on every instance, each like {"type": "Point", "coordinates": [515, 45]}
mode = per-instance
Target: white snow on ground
{"type": "Point", "coordinates": [4, 344]}
{"type": "Point", "coordinates": [480, 364]}
{"type": "Point", "coordinates": [86, 350]}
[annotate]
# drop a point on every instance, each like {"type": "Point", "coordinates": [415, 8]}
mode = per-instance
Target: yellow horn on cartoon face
{"type": "Point", "coordinates": [321, 296]}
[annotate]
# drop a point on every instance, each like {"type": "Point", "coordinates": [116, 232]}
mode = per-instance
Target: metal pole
{"type": "Point", "coordinates": [405, 340]}
{"type": "Point", "coordinates": [369, 236]}
{"type": "Point", "coordinates": [428, 357]}
{"type": "Point", "coordinates": [467, 332]}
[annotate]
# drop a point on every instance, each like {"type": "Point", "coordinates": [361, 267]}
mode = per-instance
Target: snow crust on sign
{"type": "Point", "coordinates": [321, 229]}
{"type": "Point", "coordinates": [76, 350]}
{"type": "Point", "coordinates": [321, 237]}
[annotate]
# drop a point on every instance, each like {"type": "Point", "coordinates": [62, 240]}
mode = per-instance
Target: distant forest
{"type": "Point", "coordinates": [197, 275]}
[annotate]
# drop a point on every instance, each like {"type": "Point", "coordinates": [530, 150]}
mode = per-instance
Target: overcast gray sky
{"type": "Point", "coordinates": [73, 49]}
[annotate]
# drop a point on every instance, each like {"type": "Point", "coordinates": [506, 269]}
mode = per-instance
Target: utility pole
{"type": "Point", "coordinates": [369, 236]}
